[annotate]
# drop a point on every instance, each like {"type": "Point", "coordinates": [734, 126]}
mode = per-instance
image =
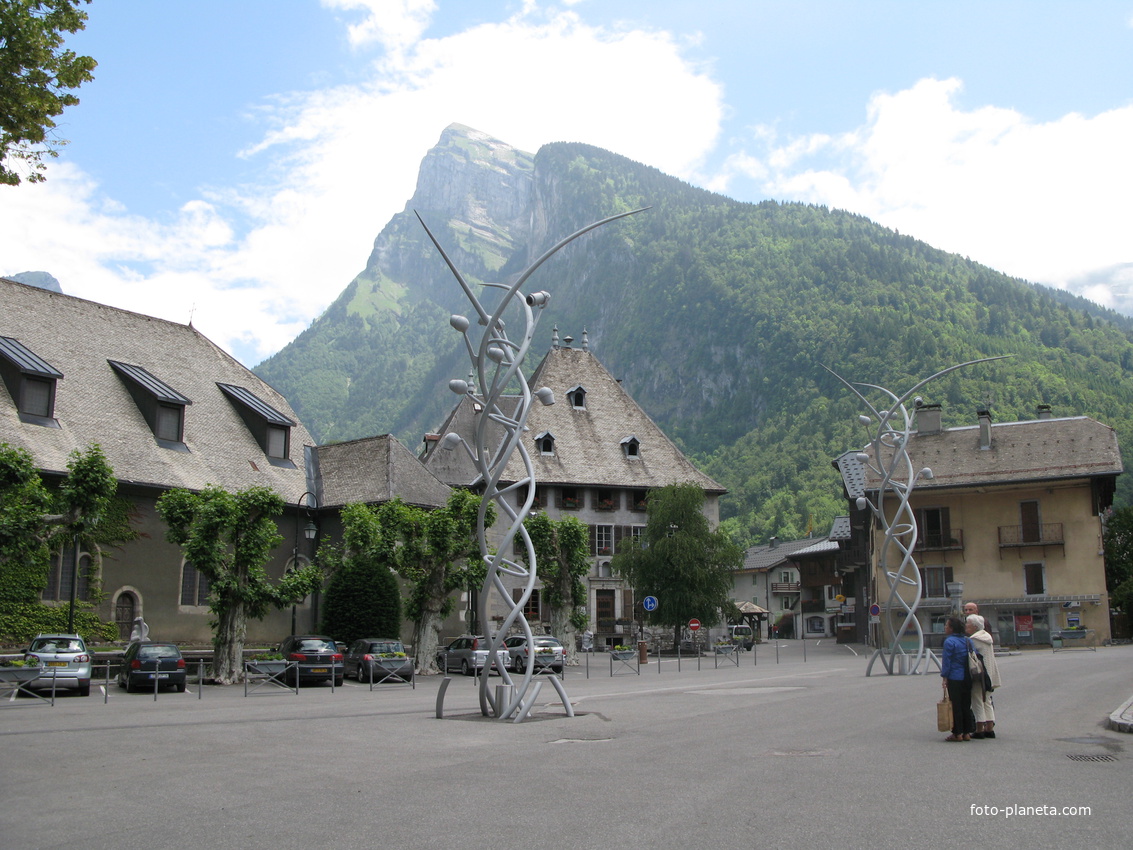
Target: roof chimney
{"type": "Point", "coordinates": [1043, 411]}
{"type": "Point", "coordinates": [928, 419]}
{"type": "Point", "coordinates": [984, 417]}
{"type": "Point", "coordinates": [555, 337]}
{"type": "Point", "coordinates": [773, 543]}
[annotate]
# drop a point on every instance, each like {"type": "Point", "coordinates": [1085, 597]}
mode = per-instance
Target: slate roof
{"type": "Point", "coordinates": [93, 404]}
{"type": "Point", "coordinates": [374, 470]}
{"type": "Point", "coordinates": [765, 556]}
{"type": "Point", "coordinates": [1032, 451]}
{"type": "Point", "coordinates": [588, 442]}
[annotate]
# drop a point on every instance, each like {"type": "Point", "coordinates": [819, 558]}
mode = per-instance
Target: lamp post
{"type": "Point", "coordinates": [956, 594]}
{"type": "Point", "coordinates": [309, 504]}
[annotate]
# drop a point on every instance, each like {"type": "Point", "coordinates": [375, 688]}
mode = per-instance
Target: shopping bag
{"type": "Point", "coordinates": [944, 715]}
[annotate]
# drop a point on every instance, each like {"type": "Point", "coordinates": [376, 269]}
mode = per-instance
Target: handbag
{"type": "Point", "coordinates": [944, 715]}
{"type": "Point", "coordinates": [975, 664]}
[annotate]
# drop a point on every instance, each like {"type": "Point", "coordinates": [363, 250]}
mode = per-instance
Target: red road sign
{"type": "Point", "coordinates": [694, 624]}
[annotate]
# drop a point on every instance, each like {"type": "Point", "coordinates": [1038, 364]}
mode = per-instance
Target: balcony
{"type": "Point", "coordinates": [786, 586]}
{"type": "Point", "coordinates": [1018, 536]}
{"type": "Point", "coordinates": [937, 542]}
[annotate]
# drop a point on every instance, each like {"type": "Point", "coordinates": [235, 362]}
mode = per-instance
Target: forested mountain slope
{"type": "Point", "coordinates": [718, 316]}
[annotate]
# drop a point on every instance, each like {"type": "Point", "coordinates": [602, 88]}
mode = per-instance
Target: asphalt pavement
{"type": "Point", "coordinates": [773, 752]}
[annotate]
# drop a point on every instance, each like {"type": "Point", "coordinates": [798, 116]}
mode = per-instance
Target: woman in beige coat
{"type": "Point", "coordinates": [981, 698]}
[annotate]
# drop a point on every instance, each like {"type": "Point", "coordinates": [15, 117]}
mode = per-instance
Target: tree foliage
{"type": "Point", "coordinates": [1118, 543]}
{"type": "Point", "coordinates": [36, 75]}
{"type": "Point", "coordinates": [435, 551]}
{"type": "Point", "coordinates": [229, 537]}
{"type": "Point", "coordinates": [680, 560]}
{"type": "Point", "coordinates": [363, 598]}
{"type": "Point", "coordinates": [562, 561]}
{"type": "Point", "coordinates": [34, 519]}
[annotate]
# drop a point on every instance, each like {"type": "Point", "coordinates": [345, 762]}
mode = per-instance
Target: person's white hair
{"type": "Point", "coordinates": [976, 620]}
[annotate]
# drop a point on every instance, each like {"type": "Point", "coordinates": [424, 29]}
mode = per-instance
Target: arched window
{"type": "Point", "coordinates": [194, 586]}
{"type": "Point", "coordinates": [545, 442]}
{"type": "Point", "coordinates": [631, 446]}
{"type": "Point", "coordinates": [577, 398]}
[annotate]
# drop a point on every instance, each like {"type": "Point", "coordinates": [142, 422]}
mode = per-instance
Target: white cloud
{"type": "Point", "coordinates": [254, 264]}
{"type": "Point", "coordinates": [1044, 201]}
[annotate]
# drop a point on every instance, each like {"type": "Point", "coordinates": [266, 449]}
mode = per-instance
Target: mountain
{"type": "Point", "coordinates": [41, 279]}
{"type": "Point", "coordinates": [721, 318]}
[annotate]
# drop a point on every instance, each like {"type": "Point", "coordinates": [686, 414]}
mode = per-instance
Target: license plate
{"type": "Point", "coordinates": [159, 675]}
{"type": "Point", "coordinates": [56, 663]}
{"type": "Point", "coordinates": [318, 669]}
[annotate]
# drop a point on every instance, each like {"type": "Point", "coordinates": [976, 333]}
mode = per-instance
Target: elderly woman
{"type": "Point", "coordinates": [982, 708]}
{"type": "Point", "coordinates": [956, 679]}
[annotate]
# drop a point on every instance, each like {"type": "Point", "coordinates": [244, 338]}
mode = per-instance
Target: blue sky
{"type": "Point", "coordinates": [232, 162]}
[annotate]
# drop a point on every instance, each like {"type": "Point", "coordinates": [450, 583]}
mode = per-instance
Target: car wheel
{"type": "Point", "coordinates": [180, 687]}
{"type": "Point", "coordinates": [129, 686]}
{"type": "Point", "coordinates": [358, 674]}
{"type": "Point", "coordinates": [338, 681]}
{"type": "Point", "coordinates": [84, 688]}
{"type": "Point", "coordinates": [464, 668]}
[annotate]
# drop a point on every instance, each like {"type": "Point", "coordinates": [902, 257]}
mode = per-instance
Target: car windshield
{"type": "Point", "coordinates": [56, 645]}
{"type": "Point", "coordinates": [546, 642]}
{"type": "Point", "coordinates": [315, 646]}
{"type": "Point", "coordinates": [158, 652]}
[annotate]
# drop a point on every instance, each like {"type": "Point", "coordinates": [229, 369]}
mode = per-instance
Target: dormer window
{"type": "Point", "coordinates": [271, 428]}
{"type": "Point", "coordinates": [30, 381]}
{"type": "Point", "coordinates": [161, 406]}
{"type": "Point", "coordinates": [577, 398]}
{"type": "Point", "coordinates": [545, 443]}
{"type": "Point", "coordinates": [631, 446]}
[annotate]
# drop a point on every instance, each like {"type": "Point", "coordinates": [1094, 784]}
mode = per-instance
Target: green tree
{"type": "Point", "coordinates": [363, 598]}
{"type": "Point", "coordinates": [437, 554]}
{"type": "Point", "coordinates": [36, 74]}
{"type": "Point", "coordinates": [34, 520]}
{"type": "Point", "coordinates": [678, 559]}
{"type": "Point", "coordinates": [561, 562]}
{"type": "Point", "coordinates": [1118, 543]}
{"type": "Point", "coordinates": [228, 537]}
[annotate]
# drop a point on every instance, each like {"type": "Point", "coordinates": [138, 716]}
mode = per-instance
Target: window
{"type": "Point", "coordinates": [521, 497]}
{"type": "Point", "coordinates": [271, 429]}
{"type": "Point", "coordinates": [631, 446]}
{"type": "Point", "coordinates": [1034, 583]}
{"type": "Point", "coordinates": [638, 500]}
{"type": "Point", "coordinates": [601, 540]}
{"type": "Point", "coordinates": [577, 398]}
{"type": "Point", "coordinates": [786, 576]}
{"type": "Point", "coordinates": [194, 586]}
{"type": "Point", "coordinates": [570, 498]}
{"type": "Point", "coordinates": [545, 443]}
{"type": "Point", "coordinates": [934, 581]}
{"type": "Point", "coordinates": [933, 528]}
{"type": "Point", "coordinates": [30, 381]}
{"type": "Point", "coordinates": [1030, 522]}
{"type": "Point", "coordinates": [531, 609]}
{"type": "Point", "coordinates": [161, 406]}
{"type": "Point", "coordinates": [607, 500]}
{"type": "Point", "coordinates": [124, 613]}
{"type": "Point", "coordinates": [62, 573]}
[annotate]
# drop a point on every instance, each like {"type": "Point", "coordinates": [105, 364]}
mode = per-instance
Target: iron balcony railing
{"type": "Point", "coordinates": [937, 541]}
{"type": "Point", "coordinates": [1047, 534]}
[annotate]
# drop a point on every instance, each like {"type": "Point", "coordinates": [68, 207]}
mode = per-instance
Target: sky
{"type": "Point", "coordinates": [231, 163]}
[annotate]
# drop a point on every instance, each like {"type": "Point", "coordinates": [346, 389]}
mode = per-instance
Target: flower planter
{"type": "Point", "coordinates": [267, 668]}
{"type": "Point", "coordinates": [725, 650]}
{"type": "Point", "coordinates": [19, 675]}
{"type": "Point", "coordinates": [623, 654]}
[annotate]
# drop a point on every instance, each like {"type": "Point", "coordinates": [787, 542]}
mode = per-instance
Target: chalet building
{"type": "Point", "coordinates": [1013, 513]}
{"type": "Point", "coordinates": [809, 587]}
{"type": "Point", "coordinates": [169, 409]}
{"type": "Point", "coordinates": [596, 456]}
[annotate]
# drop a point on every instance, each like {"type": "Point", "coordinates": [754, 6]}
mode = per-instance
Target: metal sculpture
{"type": "Point", "coordinates": [497, 361]}
{"type": "Point", "coordinates": [890, 462]}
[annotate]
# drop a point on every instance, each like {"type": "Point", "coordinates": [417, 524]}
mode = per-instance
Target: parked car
{"type": "Point", "coordinates": [378, 660]}
{"type": "Point", "coordinates": [549, 652]}
{"type": "Point", "coordinates": [317, 658]}
{"type": "Point", "coordinates": [469, 654]}
{"type": "Point", "coordinates": [64, 658]}
{"type": "Point", "coordinates": [741, 635]}
{"type": "Point", "coordinates": [146, 661]}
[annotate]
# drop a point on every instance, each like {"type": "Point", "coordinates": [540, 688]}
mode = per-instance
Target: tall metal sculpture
{"type": "Point", "coordinates": [497, 361]}
{"type": "Point", "coordinates": [890, 462]}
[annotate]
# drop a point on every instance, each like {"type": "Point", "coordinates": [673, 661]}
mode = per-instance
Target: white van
{"type": "Point", "coordinates": [741, 635]}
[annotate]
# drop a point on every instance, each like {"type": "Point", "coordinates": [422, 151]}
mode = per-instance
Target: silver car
{"type": "Point", "coordinates": [549, 652]}
{"type": "Point", "coordinates": [469, 654]}
{"type": "Point", "coordinates": [65, 660]}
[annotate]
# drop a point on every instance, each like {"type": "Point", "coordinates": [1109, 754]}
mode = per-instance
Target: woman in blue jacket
{"type": "Point", "coordinates": [956, 679]}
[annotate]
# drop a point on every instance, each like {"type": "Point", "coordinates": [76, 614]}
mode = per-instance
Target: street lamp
{"type": "Point", "coordinates": [956, 594]}
{"type": "Point", "coordinates": [309, 504]}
